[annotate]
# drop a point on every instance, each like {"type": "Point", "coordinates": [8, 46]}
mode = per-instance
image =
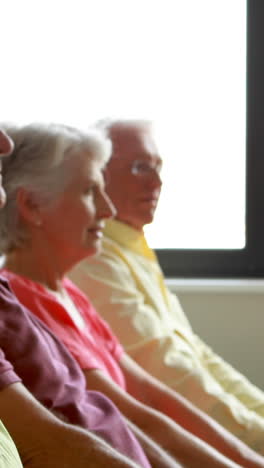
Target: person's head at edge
{"type": "Point", "coordinates": [133, 180]}
{"type": "Point", "coordinates": [6, 148]}
{"type": "Point", "coordinates": [55, 191]}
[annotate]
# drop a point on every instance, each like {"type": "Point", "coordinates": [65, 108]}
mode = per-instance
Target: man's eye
{"type": "Point", "coordinates": [89, 190]}
{"type": "Point", "coordinates": [138, 167]}
{"type": "Point", "coordinates": [143, 167]}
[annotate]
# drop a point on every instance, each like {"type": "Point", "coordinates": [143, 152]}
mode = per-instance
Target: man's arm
{"type": "Point", "coordinates": [150, 391]}
{"type": "Point", "coordinates": [44, 441]}
{"type": "Point", "coordinates": [153, 337]}
{"type": "Point", "coordinates": [231, 379]}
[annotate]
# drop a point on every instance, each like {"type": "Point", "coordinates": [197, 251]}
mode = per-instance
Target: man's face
{"type": "Point", "coordinates": [6, 147]}
{"type": "Point", "coordinates": [133, 176]}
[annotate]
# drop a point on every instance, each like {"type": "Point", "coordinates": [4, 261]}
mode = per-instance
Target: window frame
{"type": "Point", "coordinates": [249, 261]}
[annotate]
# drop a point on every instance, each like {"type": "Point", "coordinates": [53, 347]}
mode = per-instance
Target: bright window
{"type": "Point", "coordinates": [180, 63]}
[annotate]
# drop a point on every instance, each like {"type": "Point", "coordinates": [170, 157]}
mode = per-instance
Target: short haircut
{"type": "Point", "coordinates": [40, 163]}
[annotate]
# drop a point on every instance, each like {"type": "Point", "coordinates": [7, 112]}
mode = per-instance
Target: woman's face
{"type": "Point", "coordinates": [73, 225]}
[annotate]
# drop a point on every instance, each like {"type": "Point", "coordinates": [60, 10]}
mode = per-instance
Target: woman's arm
{"type": "Point", "coordinates": [44, 441]}
{"type": "Point", "coordinates": [151, 391]}
{"type": "Point", "coordinates": [181, 445]}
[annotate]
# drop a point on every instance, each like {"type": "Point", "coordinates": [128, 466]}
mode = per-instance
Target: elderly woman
{"type": "Point", "coordinates": [53, 219]}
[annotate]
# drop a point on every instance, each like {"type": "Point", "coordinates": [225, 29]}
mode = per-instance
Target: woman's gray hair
{"type": "Point", "coordinates": [40, 164]}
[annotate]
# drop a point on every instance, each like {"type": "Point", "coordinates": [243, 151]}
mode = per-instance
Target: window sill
{"type": "Point", "coordinates": [193, 285]}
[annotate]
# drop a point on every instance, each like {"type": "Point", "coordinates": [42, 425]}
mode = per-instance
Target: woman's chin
{"type": "Point", "coordinates": [94, 249]}
{"type": "Point", "coordinates": [86, 252]}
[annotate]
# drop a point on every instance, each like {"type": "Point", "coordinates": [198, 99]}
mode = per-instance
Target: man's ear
{"type": "Point", "coordinates": [28, 208]}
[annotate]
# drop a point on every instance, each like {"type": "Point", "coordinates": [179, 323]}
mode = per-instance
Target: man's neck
{"type": "Point", "coordinates": [132, 224]}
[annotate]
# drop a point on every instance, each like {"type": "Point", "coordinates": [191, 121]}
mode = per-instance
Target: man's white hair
{"type": "Point", "coordinates": [109, 125]}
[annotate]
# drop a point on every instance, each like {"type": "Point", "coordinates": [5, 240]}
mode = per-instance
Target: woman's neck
{"type": "Point", "coordinates": [37, 266]}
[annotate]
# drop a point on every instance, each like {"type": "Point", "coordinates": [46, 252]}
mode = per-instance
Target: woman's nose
{"type": "Point", "coordinates": [107, 210]}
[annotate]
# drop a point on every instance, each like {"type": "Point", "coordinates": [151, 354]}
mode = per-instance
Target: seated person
{"type": "Point", "coordinates": [55, 218]}
{"type": "Point", "coordinates": [126, 285]}
{"type": "Point", "coordinates": [8, 452]}
{"type": "Point", "coordinates": [63, 424]}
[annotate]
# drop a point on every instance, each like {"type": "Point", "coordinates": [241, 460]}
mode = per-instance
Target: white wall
{"type": "Point", "coordinates": [229, 316]}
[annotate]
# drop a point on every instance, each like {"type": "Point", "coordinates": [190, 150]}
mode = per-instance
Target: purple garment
{"type": "Point", "coordinates": [32, 354]}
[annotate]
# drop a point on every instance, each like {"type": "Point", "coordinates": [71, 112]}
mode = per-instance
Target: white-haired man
{"type": "Point", "coordinates": [126, 285]}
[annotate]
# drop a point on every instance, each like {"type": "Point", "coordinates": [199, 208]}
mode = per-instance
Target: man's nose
{"type": "Point", "coordinates": [155, 179]}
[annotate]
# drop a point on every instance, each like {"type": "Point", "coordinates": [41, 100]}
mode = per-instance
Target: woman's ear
{"type": "Point", "coordinates": [28, 208]}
